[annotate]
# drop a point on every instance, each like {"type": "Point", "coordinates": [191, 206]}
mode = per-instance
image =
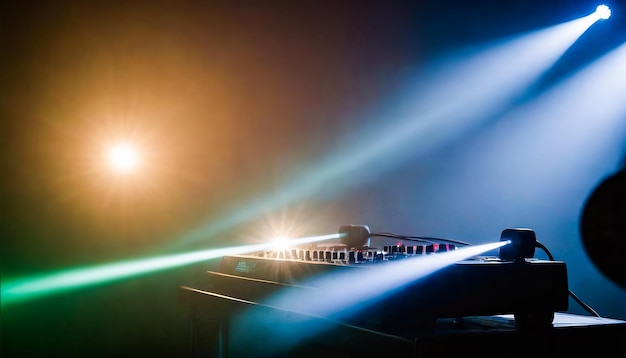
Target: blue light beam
{"type": "Point", "coordinates": [337, 294]}
{"type": "Point", "coordinates": [452, 96]}
{"type": "Point", "coordinates": [558, 146]}
{"type": "Point", "coordinates": [539, 164]}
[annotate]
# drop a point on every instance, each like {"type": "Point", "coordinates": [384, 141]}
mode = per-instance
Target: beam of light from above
{"type": "Point", "coordinates": [546, 157]}
{"type": "Point", "coordinates": [17, 290]}
{"type": "Point", "coordinates": [343, 294]}
{"type": "Point", "coordinates": [452, 96]}
{"type": "Point", "coordinates": [577, 130]}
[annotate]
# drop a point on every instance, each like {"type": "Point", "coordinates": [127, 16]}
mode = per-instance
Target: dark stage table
{"type": "Point", "coordinates": [215, 331]}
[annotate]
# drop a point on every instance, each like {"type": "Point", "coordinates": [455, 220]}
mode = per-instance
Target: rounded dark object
{"type": "Point", "coordinates": [603, 227]}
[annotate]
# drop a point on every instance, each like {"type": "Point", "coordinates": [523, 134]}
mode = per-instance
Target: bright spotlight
{"type": "Point", "coordinates": [522, 244]}
{"type": "Point", "coordinates": [123, 157]}
{"type": "Point", "coordinates": [603, 12]}
{"type": "Point", "coordinates": [281, 243]}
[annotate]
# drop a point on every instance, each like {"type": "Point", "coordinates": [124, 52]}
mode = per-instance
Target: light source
{"type": "Point", "coordinates": [522, 244]}
{"type": "Point", "coordinates": [123, 157]}
{"type": "Point", "coordinates": [603, 12]}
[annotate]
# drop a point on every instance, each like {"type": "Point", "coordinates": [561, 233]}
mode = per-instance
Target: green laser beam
{"type": "Point", "coordinates": [17, 290]}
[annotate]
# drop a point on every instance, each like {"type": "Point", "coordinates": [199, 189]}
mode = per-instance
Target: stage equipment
{"type": "Point", "coordinates": [533, 290]}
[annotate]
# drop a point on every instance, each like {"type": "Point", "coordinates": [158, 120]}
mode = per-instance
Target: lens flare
{"type": "Point", "coordinates": [281, 243]}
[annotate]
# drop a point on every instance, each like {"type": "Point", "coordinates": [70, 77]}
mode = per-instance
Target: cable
{"type": "Point", "coordinates": [431, 240]}
{"type": "Point", "coordinates": [572, 295]}
{"type": "Point", "coordinates": [545, 249]}
{"type": "Point", "coordinates": [386, 234]}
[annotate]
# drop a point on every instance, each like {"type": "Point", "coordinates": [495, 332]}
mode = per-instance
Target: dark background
{"type": "Point", "coordinates": [230, 101]}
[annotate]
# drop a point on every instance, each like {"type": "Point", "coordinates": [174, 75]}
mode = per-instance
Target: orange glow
{"type": "Point", "coordinates": [123, 157]}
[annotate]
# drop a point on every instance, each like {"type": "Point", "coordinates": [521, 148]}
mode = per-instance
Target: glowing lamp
{"type": "Point", "coordinates": [603, 12]}
{"type": "Point", "coordinates": [521, 245]}
{"type": "Point", "coordinates": [354, 236]}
